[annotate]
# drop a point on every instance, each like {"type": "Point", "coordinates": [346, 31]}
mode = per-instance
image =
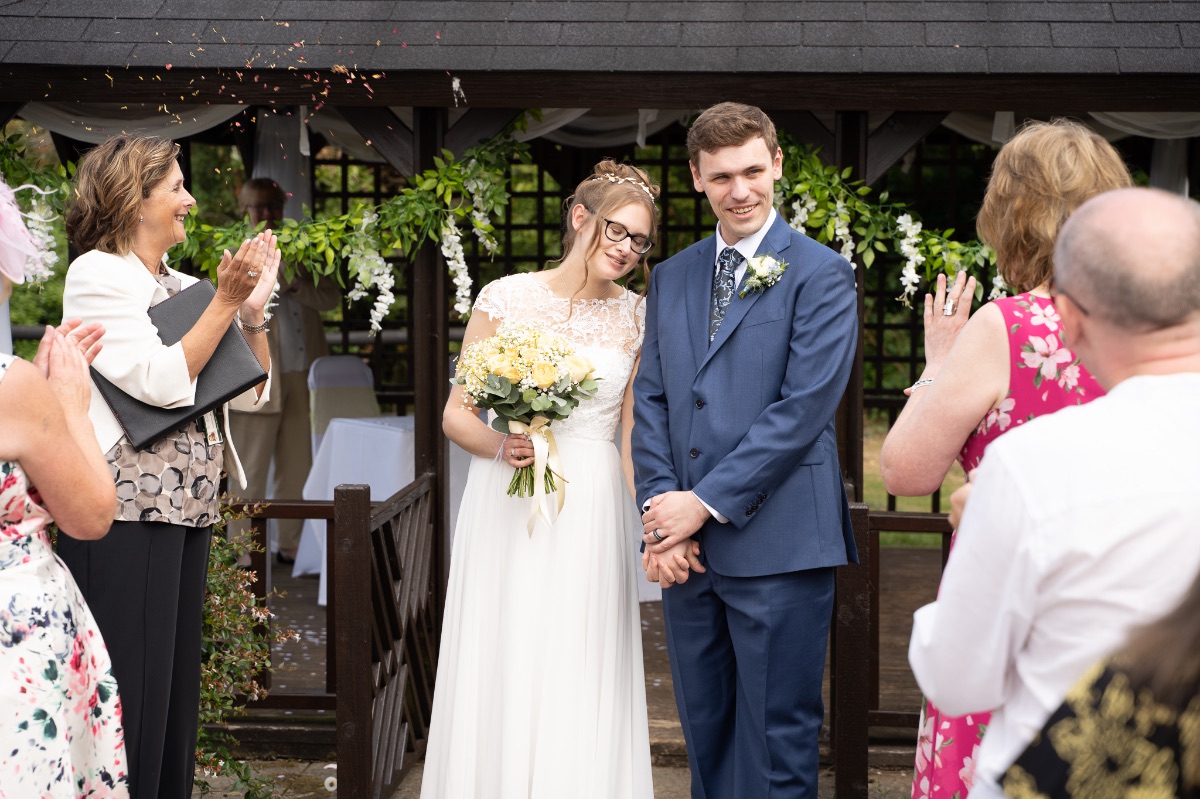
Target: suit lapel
{"type": "Point", "coordinates": [698, 290]}
{"type": "Point", "coordinates": [775, 242]}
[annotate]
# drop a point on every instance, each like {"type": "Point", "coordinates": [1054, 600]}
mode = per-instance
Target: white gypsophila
{"type": "Point", "coordinates": [40, 267]}
{"type": "Point", "coordinates": [910, 249]}
{"type": "Point", "coordinates": [999, 288]}
{"type": "Point", "coordinates": [841, 231]}
{"type": "Point", "coordinates": [456, 262]}
{"type": "Point", "coordinates": [801, 208]}
{"type": "Point", "coordinates": [477, 189]}
{"type": "Point", "coordinates": [371, 271]}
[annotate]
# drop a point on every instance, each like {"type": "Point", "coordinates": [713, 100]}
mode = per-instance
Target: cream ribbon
{"type": "Point", "coordinates": [545, 456]}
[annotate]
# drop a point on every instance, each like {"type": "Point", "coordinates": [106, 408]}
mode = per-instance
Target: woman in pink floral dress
{"type": "Point", "coordinates": [1006, 365]}
{"type": "Point", "coordinates": [60, 718]}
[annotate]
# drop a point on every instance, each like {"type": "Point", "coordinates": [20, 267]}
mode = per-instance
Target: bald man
{"type": "Point", "coordinates": [1084, 523]}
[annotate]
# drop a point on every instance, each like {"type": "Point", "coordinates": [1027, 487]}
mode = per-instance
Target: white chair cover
{"type": "Point", "coordinates": [339, 386]}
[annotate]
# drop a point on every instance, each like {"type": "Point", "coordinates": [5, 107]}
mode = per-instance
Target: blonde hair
{"type": "Point", "coordinates": [111, 181]}
{"type": "Point", "coordinates": [611, 186]}
{"type": "Point", "coordinates": [1038, 178]}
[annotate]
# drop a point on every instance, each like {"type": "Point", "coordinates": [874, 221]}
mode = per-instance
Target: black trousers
{"type": "Point", "coordinates": [145, 584]}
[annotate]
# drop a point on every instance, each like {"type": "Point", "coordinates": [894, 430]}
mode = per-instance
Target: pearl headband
{"type": "Point", "coordinates": [634, 181]}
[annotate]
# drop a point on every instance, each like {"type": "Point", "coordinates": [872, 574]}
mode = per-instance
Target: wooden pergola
{"type": "Point", "coordinates": [918, 60]}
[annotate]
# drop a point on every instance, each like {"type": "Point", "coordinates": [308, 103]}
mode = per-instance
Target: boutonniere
{"type": "Point", "coordinates": [762, 272]}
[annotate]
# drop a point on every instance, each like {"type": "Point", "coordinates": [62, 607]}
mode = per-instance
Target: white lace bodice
{"type": "Point", "coordinates": [609, 332]}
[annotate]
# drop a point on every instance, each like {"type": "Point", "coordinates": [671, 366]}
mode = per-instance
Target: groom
{"type": "Point", "coordinates": [734, 448]}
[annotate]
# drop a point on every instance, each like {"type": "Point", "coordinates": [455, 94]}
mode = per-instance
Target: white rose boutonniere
{"type": "Point", "coordinates": [762, 272]}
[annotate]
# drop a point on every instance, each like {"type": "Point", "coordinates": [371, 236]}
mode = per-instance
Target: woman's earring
{"type": "Point", "coordinates": [141, 219]}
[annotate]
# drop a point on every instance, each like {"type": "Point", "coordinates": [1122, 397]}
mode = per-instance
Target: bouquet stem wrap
{"type": "Point", "coordinates": [547, 464]}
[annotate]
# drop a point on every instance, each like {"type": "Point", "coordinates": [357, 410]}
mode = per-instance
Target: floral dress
{"type": "Point", "coordinates": [60, 718]}
{"type": "Point", "coordinates": [1044, 376]}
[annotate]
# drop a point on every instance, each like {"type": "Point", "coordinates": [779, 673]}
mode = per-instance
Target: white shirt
{"type": "Point", "coordinates": [1082, 524]}
{"type": "Point", "coordinates": [288, 313]}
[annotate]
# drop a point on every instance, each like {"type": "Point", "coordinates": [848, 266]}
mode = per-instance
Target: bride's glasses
{"type": "Point", "coordinates": [615, 231]}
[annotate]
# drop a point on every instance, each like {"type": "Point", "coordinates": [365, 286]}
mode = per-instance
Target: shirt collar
{"type": "Point", "coordinates": [748, 246]}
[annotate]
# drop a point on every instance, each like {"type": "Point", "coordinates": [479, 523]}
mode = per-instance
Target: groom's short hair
{"type": "Point", "coordinates": [729, 125]}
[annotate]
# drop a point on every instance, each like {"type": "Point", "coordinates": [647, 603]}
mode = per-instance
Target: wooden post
{"type": "Point", "coordinates": [355, 692]}
{"type": "Point", "coordinates": [851, 644]}
{"type": "Point", "coordinates": [850, 140]}
{"type": "Point", "coordinates": [431, 354]}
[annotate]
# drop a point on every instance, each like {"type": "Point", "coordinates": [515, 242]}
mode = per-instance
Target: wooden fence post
{"type": "Point", "coordinates": [852, 658]}
{"type": "Point", "coordinates": [355, 694]}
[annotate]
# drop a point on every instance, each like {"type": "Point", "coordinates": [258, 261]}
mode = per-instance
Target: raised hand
{"type": "Point", "coordinates": [268, 276]}
{"type": "Point", "coordinates": [67, 374]}
{"type": "Point", "coordinates": [941, 331]}
{"type": "Point", "coordinates": [86, 338]}
{"type": "Point", "coordinates": [239, 275]}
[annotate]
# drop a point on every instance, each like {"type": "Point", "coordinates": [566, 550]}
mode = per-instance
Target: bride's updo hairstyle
{"type": "Point", "coordinates": [609, 187]}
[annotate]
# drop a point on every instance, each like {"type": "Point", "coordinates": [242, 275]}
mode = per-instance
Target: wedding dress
{"type": "Point", "coordinates": [540, 689]}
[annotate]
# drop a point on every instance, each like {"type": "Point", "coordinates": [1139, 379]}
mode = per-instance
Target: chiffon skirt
{"type": "Point", "coordinates": [540, 689]}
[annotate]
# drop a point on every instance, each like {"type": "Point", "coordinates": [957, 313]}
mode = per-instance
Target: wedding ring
{"type": "Point", "coordinates": [251, 273]}
{"type": "Point", "coordinates": [512, 452]}
{"type": "Point", "coordinates": [948, 308]}
{"type": "Point", "coordinates": [657, 535]}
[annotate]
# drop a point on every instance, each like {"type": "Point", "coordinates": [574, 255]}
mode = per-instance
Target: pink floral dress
{"type": "Point", "coordinates": [60, 718]}
{"type": "Point", "coordinates": [1044, 376]}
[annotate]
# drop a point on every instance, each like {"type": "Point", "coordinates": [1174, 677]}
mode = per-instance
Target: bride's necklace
{"type": "Point", "coordinates": [562, 281]}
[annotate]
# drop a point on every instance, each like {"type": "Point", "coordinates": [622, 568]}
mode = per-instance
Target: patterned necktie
{"type": "Point", "coordinates": [722, 292]}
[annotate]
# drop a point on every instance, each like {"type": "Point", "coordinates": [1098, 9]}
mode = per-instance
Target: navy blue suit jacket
{"type": "Point", "coordinates": [747, 423]}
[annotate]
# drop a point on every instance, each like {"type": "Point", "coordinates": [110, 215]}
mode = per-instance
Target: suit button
{"type": "Point", "coordinates": [699, 404]}
{"type": "Point", "coordinates": [695, 453]}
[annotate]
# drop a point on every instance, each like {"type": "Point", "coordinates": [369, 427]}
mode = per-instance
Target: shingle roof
{"type": "Point", "coordinates": [847, 36]}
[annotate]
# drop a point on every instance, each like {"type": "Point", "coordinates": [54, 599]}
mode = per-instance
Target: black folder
{"type": "Point", "coordinates": [232, 369]}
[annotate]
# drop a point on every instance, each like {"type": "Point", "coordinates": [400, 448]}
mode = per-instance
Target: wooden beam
{"type": "Point", "coordinates": [9, 110]}
{"type": "Point", "coordinates": [805, 128]}
{"type": "Point", "coordinates": [851, 151]}
{"type": "Point", "coordinates": [429, 314]}
{"type": "Point", "coordinates": [898, 134]}
{"type": "Point", "coordinates": [1034, 92]}
{"type": "Point", "coordinates": [477, 125]}
{"type": "Point", "coordinates": [384, 131]}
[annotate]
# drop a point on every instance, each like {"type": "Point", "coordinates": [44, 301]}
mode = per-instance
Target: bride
{"type": "Point", "coordinates": [540, 690]}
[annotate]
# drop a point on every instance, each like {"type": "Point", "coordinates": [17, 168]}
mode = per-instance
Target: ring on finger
{"type": "Point", "coordinates": [251, 273]}
{"type": "Point", "coordinates": [948, 308]}
{"type": "Point", "coordinates": [657, 535]}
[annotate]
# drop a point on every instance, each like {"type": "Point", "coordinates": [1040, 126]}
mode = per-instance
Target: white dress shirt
{"type": "Point", "coordinates": [1082, 525]}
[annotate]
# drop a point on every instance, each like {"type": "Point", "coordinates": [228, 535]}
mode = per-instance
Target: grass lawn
{"type": "Point", "coordinates": [875, 429]}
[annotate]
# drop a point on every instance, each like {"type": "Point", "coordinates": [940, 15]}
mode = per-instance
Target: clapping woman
{"type": "Point", "coordinates": [1004, 366]}
{"type": "Point", "coordinates": [145, 581]}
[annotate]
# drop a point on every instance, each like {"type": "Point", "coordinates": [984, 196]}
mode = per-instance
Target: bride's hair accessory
{"type": "Point", "coordinates": [614, 179]}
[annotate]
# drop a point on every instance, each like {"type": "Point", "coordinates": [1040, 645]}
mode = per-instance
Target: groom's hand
{"type": "Point", "coordinates": [675, 516]}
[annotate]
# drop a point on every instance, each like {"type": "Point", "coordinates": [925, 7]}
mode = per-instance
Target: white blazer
{"type": "Point", "coordinates": [116, 291]}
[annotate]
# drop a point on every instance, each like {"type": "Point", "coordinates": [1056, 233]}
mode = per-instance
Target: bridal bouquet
{"type": "Point", "coordinates": [530, 377]}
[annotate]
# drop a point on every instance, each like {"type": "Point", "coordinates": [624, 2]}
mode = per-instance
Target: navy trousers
{"type": "Point", "coordinates": [747, 658]}
{"type": "Point", "coordinates": [145, 583]}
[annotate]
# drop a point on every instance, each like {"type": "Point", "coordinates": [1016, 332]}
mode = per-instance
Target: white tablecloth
{"type": "Point", "coordinates": [379, 452]}
{"type": "Point", "coordinates": [376, 451]}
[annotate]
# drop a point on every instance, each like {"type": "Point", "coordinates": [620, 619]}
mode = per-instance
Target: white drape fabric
{"type": "Point", "coordinates": [95, 122]}
{"type": "Point", "coordinates": [279, 138]}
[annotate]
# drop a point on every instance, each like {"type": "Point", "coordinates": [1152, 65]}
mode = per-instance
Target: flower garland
{"type": "Point", "coordinates": [827, 205]}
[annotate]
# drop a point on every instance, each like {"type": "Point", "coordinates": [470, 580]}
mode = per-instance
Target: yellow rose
{"type": "Point", "coordinates": [579, 367]}
{"type": "Point", "coordinates": [544, 374]}
{"type": "Point", "coordinates": [531, 354]}
{"type": "Point", "coordinates": [502, 366]}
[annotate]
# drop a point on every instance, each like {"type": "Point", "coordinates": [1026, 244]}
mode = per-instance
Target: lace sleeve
{"type": "Point", "coordinates": [492, 300]}
{"type": "Point", "coordinates": [639, 322]}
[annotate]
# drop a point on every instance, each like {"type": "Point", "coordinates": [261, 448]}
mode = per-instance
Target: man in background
{"type": "Point", "coordinates": [296, 336]}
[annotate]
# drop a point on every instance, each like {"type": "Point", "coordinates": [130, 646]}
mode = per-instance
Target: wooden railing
{"type": "Point", "coordinates": [383, 629]}
{"type": "Point", "coordinates": [386, 635]}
